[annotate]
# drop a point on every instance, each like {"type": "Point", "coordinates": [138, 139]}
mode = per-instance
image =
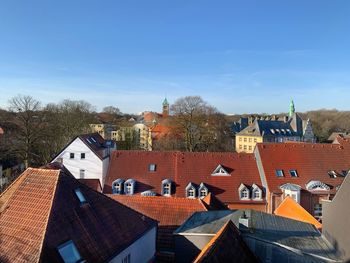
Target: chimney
{"type": "Point", "coordinates": [244, 222]}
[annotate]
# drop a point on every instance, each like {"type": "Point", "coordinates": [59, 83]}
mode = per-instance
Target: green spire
{"type": "Point", "coordinates": [165, 102]}
{"type": "Point", "coordinates": [291, 109]}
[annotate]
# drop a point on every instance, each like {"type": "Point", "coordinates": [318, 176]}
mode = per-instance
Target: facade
{"type": "Point", "coordinates": [49, 216]}
{"type": "Point", "coordinates": [233, 178]}
{"type": "Point", "coordinates": [335, 219]}
{"type": "Point", "coordinates": [87, 157]}
{"type": "Point", "coordinates": [103, 129]}
{"type": "Point", "coordinates": [291, 128]}
{"type": "Point", "coordinates": [270, 238]}
{"type": "Point", "coordinates": [308, 173]}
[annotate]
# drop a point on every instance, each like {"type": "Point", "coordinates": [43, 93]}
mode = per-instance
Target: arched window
{"type": "Point", "coordinates": [117, 186]}
{"type": "Point", "coordinates": [129, 187]}
{"type": "Point", "coordinates": [166, 187]}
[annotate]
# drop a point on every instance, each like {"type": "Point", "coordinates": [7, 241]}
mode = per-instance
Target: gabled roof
{"type": "Point", "coordinates": [311, 161]}
{"type": "Point", "coordinates": [182, 168]}
{"type": "Point", "coordinates": [291, 209]}
{"type": "Point", "coordinates": [41, 211]}
{"type": "Point", "coordinates": [227, 245]}
{"type": "Point", "coordinates": [302, 238]}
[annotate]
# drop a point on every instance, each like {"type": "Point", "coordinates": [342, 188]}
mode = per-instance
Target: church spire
{"type": "Point", "coordinates": [165, 108]}
{"type": "Point", "coordinates": [291, 109]}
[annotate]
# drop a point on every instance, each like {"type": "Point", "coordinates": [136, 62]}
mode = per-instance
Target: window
{"type": "Point", "coordinates": [332, 174]}
{"type": "Point", "coordinates": [69, 252]}
{"type": "Point", "coordinates": [71, 155]}
{"type": "Point", "coordinates": [255, 140]}
{"type": "Point", "coordinates": [293, 173]}
{"type": "Point", "coordinates": [191, 193]}
{"type": "Point", "coordinates": [250, 148]}
{"type": "Point", "coordinates": [126, 259]}
{"type": "Point", "coordinates": [250, 139]}
{"type": "Point", "coordinates": [82, 173]}
{"type": "Point", "coordinates": [256, 194]}
{"type": "Point", "coordinates": [220, 170]}
{"type": "Point", "coordinates": [82, 156]}
{"type": "Point", "coordinates": [240, 139]}
{"type": "Point", "coordinates": [203, 191]}
{"type": "Point", "coordinates": [245, 147]}
{"type": "Point", "coordinates": [318, 211]}
{"type": "Point", "coordinates": [152, 167]}
{"type": "Point", "coordinates": [80, 196]}
{"type": "Point", "coordinates": [128, 188]}
{"type": "Point", "coordinates": [279, 173]}
{"type": "Point", "coordinates": [245, 139]}
{"type": "Point", "coordinates": [166, 189]}
{"type": "Point", "coordinates": [240, 146]}
{"type": "Point", "coordinates": [117, 186]}
{"type": "Point", "coordinates": [245, 193]}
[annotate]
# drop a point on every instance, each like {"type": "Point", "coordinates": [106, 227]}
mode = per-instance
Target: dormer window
{"type": "Point", "coordinates": [69, 252]}
{"type": "Point", "coordinates": [256, 193]}
{"type": "Point", "coordinates": [317, 186]}
{"type": "Point", "coordinates": [293, 173]}
{"type": "Point", "coordinates": [279, 173]}
{"type": "Point", "coordinates": [166, 187]}
{"type": "Point", "coordinates": [292, 190]}
{"type": "Point", "coordinates": [129, 187]}
{"type": "Point", "coordinates": [202, 190]}
{"type": "Point", "coordinates": [152, 167]}
{"type": "Point", "coordinates": [332, 174]}
{"type": "Point", "coordinates": [80, 196]}
{"type": "Point", "coordinates": [220, 171]}
{"type": "Point", "coordinates": [117, 186]}
{"type": "Point", "coordinates": [190, 191]}
{"type": "Point", "coordinates": [243, 192]}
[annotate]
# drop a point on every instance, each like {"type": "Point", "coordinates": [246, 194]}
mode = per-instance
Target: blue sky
{"type": "Point", "coordinates": [240, 56]}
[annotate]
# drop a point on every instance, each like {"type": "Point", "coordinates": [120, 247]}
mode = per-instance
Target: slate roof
{"type": "Point", "coordinates": [95, 142]}
{"type": "Point", "coordinates": [311, 161]}
{"type": "Point", "coordinates": [41, 211]}
{"type": "Point", "coordinates": [226, 246]}
{"type": "Point", "coordinates": [291, 209]}
{"type": "Point", "coordinates": [273, 229]}
{"type": "Point", "coordinates": [183, 168]}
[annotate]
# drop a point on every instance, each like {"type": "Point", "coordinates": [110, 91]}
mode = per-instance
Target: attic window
{"type": "Point", "coordinates": [332, 174]}
{"type": "Point", "coordinates": [152, 167]}
{"type": "Point", "coordinates": [279, 173]}
{"type": "Point", "coordinates": [190, 191]}
{"type": "Point", "coordinates": [93, 139]}
{"type": "Point", "coordinates": [166, 187]}
{"type": "Point", "coordinates": [293, 173]}
{"type": "Point", "coordinates": [219, 170]}
{"type": "Point", "coordinates": [344, 172]}
{"type": "Point", "coordinates": [69, 252]}
{"type": "Point", "coordinates": [243, 192]}
{"type": "Point", "coordinates": [80, 196]}
{"type": "Point", "coordinates": [129, 187]}
{"type": "Point", "coordinates": [71, 155]}
{"type": "Point", "coordinates": [82, 156]}
{"type": "Point", "coordinates": [117, 186]}
{"type": "Point", "coordinates": [202, 191]}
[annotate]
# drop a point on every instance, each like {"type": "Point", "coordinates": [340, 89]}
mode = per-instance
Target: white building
{"type": "Point", "coordinates": [87, 157]}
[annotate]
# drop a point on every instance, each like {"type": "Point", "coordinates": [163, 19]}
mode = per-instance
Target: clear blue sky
{"type": "Point", "coordinates": [240, 56]}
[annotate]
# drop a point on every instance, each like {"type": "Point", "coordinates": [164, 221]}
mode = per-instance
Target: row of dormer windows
{"type": "Point", "coordinates": [255, 193]}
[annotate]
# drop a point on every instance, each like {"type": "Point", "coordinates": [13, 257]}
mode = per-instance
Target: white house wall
{"type": "Point", "coordinates": [142, 250]}
{"type": "Point", "coordinates": [91, 164]}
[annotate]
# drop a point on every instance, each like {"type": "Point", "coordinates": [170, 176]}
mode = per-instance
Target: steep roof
{"type": "Point", "coordinates": [311, 161]}
{"type": "Point", "coordinates": [183, 168]}
{"type": "Point", "coordinates": [285, 232]}
{"type": "Point", "coordinates": [41, 211]}
{"type": "Point", "coordinates": [92, 183]}
{"type": "Point", "coordinates": [95, 142]}
{"type": "Point", "coordinates": [291, 209]}
{"type": "Point", "coordinates": [225, 246]}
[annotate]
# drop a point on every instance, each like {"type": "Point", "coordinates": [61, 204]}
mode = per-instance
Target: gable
{"type": "Point", "coordinates": [220, 171]}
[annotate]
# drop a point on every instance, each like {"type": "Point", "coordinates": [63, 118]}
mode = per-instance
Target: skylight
{"type": "Point", "coordinates": [80, 196]}
{"type": "Point", "coordinates": [293, 173]}
{"type": "Point", "coordinates": [279, 173]}
{"type": "Point", "coordinates": [69, 252]}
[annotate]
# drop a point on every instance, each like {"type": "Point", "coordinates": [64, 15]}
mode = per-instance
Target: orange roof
{"type": "Point", "coordinates": [226, 246]}
{"type": "Point", "coordinates": [291, 209]}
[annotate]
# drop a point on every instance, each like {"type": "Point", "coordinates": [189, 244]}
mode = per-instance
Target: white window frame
{"type": "Point", "coordinates": [279, 173]}
{"type": "Point", "coordinates": [167, 189]}
{"type": "Point", "coordinates": [293, 171]}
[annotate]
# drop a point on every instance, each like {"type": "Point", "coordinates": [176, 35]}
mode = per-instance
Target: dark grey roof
{"type": "Point", "coordinates": [270, 228]}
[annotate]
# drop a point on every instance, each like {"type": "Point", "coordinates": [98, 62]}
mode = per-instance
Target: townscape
{"type": "Point", "coordinates": [276, 194]}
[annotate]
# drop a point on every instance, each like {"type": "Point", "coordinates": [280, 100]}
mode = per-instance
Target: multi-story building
{"type": "Point", "coordinates": [266, 129]}
{"type": "Point", "coordinates": [103, 129]}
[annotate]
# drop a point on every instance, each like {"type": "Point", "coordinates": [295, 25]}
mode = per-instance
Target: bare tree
{"type": "Point", "coordinates": [28, 119]}
{"type": "Point", "coordinates": [112, 110]}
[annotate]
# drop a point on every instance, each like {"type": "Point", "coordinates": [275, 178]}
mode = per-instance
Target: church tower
{"type": "Point", "coordinates": [291, 109]}
{"type": "Point", "coordinates": [165, 108]}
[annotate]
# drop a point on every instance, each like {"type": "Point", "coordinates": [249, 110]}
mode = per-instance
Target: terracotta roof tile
{"type": "Point", "coordinates": [41, 211]}
{"type": "Point", "coordinates": [182, 168]}
{"type": "Point", "coordinates": [291, 209]}
{"type": "Point", "coordinates": [311, 161]}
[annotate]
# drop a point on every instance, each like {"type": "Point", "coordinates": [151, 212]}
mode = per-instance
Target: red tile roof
{"type": "Point", "coordinates": [311, 161]}
{"type": "Point", "coordinates": [169, 212]}
{"type": "Point", "coordinates": [291, 209]}
{"type": "Point", "coordinates": [92, 183]}
{"type": "Point", "coordinates": [226, 246]}
{"type": "Point", "coordinates": [40, 211]}
{"type": "Point", "coordinates": [182, 168]}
